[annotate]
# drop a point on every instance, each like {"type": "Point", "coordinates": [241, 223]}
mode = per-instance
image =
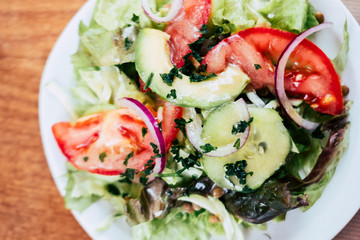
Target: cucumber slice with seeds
{"type": "Point", "coordinates": [264, 151]}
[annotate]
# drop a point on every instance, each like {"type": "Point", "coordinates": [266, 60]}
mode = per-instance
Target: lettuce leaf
{"type": "Point", "coordinates": [99, 88]}
{"type": "Point", "coordinates": [235, 15]}
{"type": "Point", "coordinates": [84, 188]}
{"type": "Point", "coordinates": [179, 225]}
{"type": "Point", "coordinates": [295, 16]}
{"type": "Point", "coordinates": [114, 14]}
{"type": "Point", "coordinates": [100, 47]}
{"type": "Point", "coordinates": [341, 59]}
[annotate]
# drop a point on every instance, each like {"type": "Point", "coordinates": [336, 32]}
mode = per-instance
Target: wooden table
{"type": "Point", "coordinates": [30, 205]}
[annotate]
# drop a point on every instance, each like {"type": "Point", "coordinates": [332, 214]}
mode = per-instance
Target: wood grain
{"type": "Point", "coordinates": [30, 204]}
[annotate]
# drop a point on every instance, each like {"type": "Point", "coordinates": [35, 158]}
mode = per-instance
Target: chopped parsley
{"type": "Point", "coordinates": [129, 173]}
{"type": "Point", "coordinates": [135, 18]}
{"type": "Point", "coordinates": [188, 67]}
{"type": "Point", "coordinates": [237, 169]}
{"type": "Point", "coordinates": [128, 43]}
{"type": "Point", "coordinates": [196, 47]}
{"type": "Point", "coordinates": [143, 180]}
{"type": "Point", "coordinates": [187, 162]}
{"type": "Point", "coordinates": [102, 156]}
{"type": "Point", "coordinates": [85, 159]}
{"type": "Point", "coordinates": [257, 66]}
{"type": "Point", "coordinates": [168, 78]}
{"type": "Point", "coordinates": [96, 68]}
{"type": "Point", "coordinates": [172, 94]}
{"type": "Point", "coordinates": [130, 155]}
{"type": "Point", "coordinates": [237, 144]}
{"type": "Point", "coordinates": [156, 151]}
{"type": "Point", "coordinates": [181, 123]}
{"type": "Point", "coordinates": [144, 131]}
{"type": "Point", "coordinates": [112, 189]}
{"type": "Point", "coordinates": [241, 126]}
{"type": "Point", "coordinates": [208, 148]}
{"type": "Point", "coordinates": [247, 189]}
{"type": "Point", "coordinates": [204, 29]}
{"type": "Point", "coordinates": [317, 133]}
{"type": "Point", "coordinates": [199, 77]}
{"type": "Point", "coordinates": [148, 81]}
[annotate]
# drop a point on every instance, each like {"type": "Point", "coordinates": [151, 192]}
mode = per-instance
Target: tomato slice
{"type": "Point", "coordinates": [309, 74]}
{"type": "Point", "coordinates": [184, 29]}
{"type": "Point", "coordinates": [99, 143]}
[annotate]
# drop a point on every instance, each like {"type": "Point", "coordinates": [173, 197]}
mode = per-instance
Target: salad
{"type": "Point", "coordinates": [203, 117]}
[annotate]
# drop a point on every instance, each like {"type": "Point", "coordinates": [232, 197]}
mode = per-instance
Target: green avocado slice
{"type": "Point", "coordinates": [152, 58]}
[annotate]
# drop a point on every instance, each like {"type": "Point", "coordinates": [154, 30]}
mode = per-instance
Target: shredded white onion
{"type": "Point", "coordinates": [173, 12]}
{"type": "Point", "coordinates": [153, 127]}
{"type": "Point", "coordinates": [279, 78]}
{"type": "Point", "coordinates": [255, 99]}
{"type": "Point", "coordinates": [194, 129]}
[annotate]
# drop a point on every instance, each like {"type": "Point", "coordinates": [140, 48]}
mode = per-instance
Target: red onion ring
{"type": "Point", "coordinates": [279, 77]}
{"type": "Point", "coordinates": [153, 127]}
{"type": "Point", "coordinates": [173, 12]}
{"type": "Point", "coordinates": [194, 129]}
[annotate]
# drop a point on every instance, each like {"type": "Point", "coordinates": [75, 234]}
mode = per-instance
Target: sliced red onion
{"type": "Point", "coordinates": [255, 99]}
{"type": "Point", "coordinates": [152, 125]}
{"type": "Point", "coordinates": [173, 12]}
{"type": "Point", "coordinates": [194, 129]}
{"type": "Point", "coordinates": [279, 78]}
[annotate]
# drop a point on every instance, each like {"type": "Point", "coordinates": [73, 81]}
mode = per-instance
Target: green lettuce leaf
{"type": "Point", "coordinates": [295, 16]}
{"type": "Point", "coordinates": [341, 59]}
{"type": "Point", "coordinates": [179, 225]}
{"type": "Point", "coordinates": [83, 189]}
{"type": "Point", "coordinates": [100, 47]}
{"type": "Point", "coordinates": [235, 15]}
{"type": "Point", "coordinates": [114, 14]}
{"type": "Point", "coordinates": [100, 87]}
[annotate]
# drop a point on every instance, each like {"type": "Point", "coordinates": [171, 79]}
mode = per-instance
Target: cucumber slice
{"type": "Point", "coordinates": [264, 151]}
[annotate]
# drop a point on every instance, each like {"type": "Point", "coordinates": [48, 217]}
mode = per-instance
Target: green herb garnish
{"type": "Point", "coordinates": [128, 43]}
{"type": "Point", "coordinates": [241, 126]}
{"type": "Point", "coordinates": [144, 131]}
{"type": "Point", "coordinates": [130, 155]}
{"type": "Point", "coordinates": [112, 189]}
{"type": "Point", "coordinates": [85, 159]}
{"type": "Point", "coordinates": [102, 156]}
{"type": "Point", "coordinates": [257, 66]}
{"type": "Point", "coordinates": [237, 144]}
{"type": "Point", "coordinates": [237, 169]}
{"type": "Point", "coordinates": [168, 78]}
{"type": "Point", "coordinates": [199, 77]}
{"type": "Point", "coordinates": [148, 81]}
{"type": "Point", "coordinates": [172, 94]}
{"type": "Point", "coordinates": [135, 18]}
{"type": "Point", "coordinates": [129, 173]}
{"type": "Point", "coordinates": [181, 123]}
{"type": "Point", "coordinates": [204, 29]}
{"type": "Point", "coordinates": [208, 148]}
{"type": "Point", "coordinates": [143, 180]}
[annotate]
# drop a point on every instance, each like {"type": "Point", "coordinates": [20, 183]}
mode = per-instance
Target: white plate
{"type": "Point", "coordinates": [340, 200]}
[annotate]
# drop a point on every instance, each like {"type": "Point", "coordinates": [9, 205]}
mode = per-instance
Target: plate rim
{"type": "Point", "coordinates": [74, 21]}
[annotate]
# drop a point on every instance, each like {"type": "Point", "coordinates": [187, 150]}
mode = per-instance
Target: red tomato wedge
{"type": "Point", "coordinates": [309, 73]}
{"type": "Point", "coordinates": [99, 143]}
{"type": "Point", "coordinates": [184, 29]}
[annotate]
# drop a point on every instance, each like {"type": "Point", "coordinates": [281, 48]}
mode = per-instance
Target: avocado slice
{"type": "Point", "coordinates": [152, 56]}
